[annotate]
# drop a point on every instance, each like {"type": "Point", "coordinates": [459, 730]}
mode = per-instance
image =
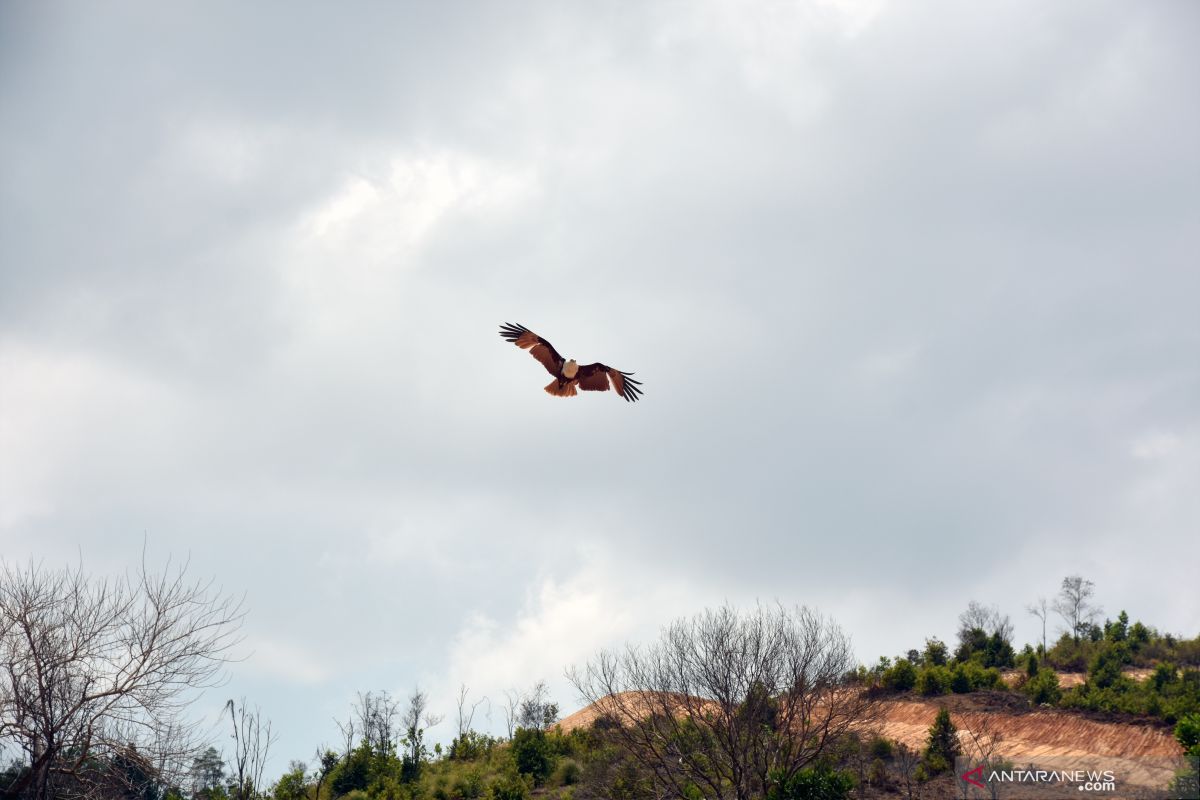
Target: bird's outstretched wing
{"type": "Point", "coordinates": [599, 378]}
{"type": "Point", "coordinates": [538, 347]}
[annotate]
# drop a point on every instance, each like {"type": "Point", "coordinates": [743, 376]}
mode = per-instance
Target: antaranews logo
{"type": "Point", "coordinates": [1083, 780]}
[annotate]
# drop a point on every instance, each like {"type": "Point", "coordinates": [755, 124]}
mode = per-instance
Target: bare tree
{"type": "Point", "coordinates": [93, 668]}
{"type": "Point", "coordinates": [512, 703]}
{"type": "Point", "coordinates": [1074, 604]}
{"type": "Point", "coordinates": [376, 712]}
{"type": "Point", "coordinates": [252, 740]}
{"type": "Point", "coordinates": [414, 734]}
{"type": "Point", "coordinates": [466, 710]}
{"type": "Point", "coordinates": [1041, 610]}
{"type": "Point", "coordinates": [348, 731]}
{"type": "Point", "coordinates": [984, 618]}
{"type": "Point", "coordinates": [907, 760]}
{"type": "Point", "coordinates": [729, 701]}
{"type": "Point", "coordinates": [982, 740]}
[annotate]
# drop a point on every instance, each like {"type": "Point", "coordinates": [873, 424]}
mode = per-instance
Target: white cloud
{"type": "Point", "coordinates": [284, 660]}
{"type": "Point", "coordinates": [606, 602]}
{"type": "Point", "coordinates": [385, 213]}
{"type": "Point", "coordinates": [65, 427]}
{"type": "Point", "coordinates": [1155, 445]}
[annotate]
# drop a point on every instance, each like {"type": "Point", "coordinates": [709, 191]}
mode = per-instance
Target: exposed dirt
{"type": "Point", "coordinates": [1140, 752]}
{"type": "Point", "coordinates": [1069, 680]}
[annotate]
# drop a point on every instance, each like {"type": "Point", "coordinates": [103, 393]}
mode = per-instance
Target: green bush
{"type": "Point", "coordinates": [1043, 687]}
{"type": "Point", "coordinates": [511, 786]}
{"type": "Point", "coordinates": [812, 783]}
{"type": "Point", "coordinates": [933, 681]}
{"type": "Point", "coordinates": [972, 677]}
{"type": "Point", "coordinates": [567, 773]}
{"type": "Point", "coordinates": [882, 747]}
{"type": "Point", "coordinates": [471, 746]}
{"type": "Point", "coordinates": [468, 784]}
{"type": "Point", "coordinates": [901, 676]}
{"type": "Point", "coordinates": [1187, 731]}
{"type": "Point", "coordinates": [532, 754]}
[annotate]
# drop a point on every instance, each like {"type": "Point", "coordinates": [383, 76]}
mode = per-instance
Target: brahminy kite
{"type": "Point", "coordinates": [567, 374]}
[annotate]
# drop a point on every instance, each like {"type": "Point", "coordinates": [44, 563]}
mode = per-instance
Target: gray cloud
{"type": "Point", "coordinates": [912, 290]}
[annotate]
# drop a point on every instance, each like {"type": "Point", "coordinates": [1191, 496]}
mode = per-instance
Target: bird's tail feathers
{"type": "Point", "coordinates": [558, 389]}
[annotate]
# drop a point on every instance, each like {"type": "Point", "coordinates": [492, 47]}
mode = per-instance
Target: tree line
{"type": "Point", "coordinates": [96, 676]}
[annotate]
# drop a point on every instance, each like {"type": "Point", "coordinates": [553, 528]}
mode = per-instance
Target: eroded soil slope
{"type": "Point", "coordinates": [1141, 752]}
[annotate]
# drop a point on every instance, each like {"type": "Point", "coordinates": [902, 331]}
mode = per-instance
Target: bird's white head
{"type": "Point", "coordinates": [570, 368]}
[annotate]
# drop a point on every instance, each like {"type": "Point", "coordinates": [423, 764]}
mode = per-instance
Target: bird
{"type": "Point", "coordinates": [567, 373]}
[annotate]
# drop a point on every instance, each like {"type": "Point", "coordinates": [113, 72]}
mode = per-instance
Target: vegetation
{"type": "Point", "coordinates": [768, 705]}
{"type": "Point", "coordinates": [729, 704]}
{"type": "Point", "coordinates": [941, 747]}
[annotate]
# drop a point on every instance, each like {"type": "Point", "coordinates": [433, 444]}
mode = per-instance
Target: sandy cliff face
{"type": "Point", "coordinates": [1144, 754]}
{"type": "Point", "coordinates": [1140, 753]}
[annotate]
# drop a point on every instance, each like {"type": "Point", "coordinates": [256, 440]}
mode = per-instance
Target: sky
{"type": "Point", "coordinates": [912, 288]}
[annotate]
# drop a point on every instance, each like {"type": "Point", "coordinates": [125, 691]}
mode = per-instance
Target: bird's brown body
{"type": "Point", "coordinates": [567, 374]}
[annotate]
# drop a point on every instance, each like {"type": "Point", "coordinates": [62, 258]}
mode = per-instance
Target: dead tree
{"type": "Point", "coordinates": [376, 712]}
{"type": "Point", "coordinates": [907, 761]}
{"type": "Point", "coordinates": [1074, 604]}
{"type": "Point", "coordinates": [252, 740]}
{"type": "Point", "coordinates": [1041, 610]}
{"type": "Point", "coordinates": [348, 731]}
{"type": "Point", "coordinates": [92, 668]}
{"type": "Point", "coordinates": [466, 710]}
{"type": "Point", "coordinates": [729, 702]}
{"type": "Point", "coordinates": [512, 704]}
{"type": "Point", "coordinates": [982, 741]}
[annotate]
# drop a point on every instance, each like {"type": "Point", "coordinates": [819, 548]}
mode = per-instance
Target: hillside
{"type": "Point", "coordinates": [1142, 753]}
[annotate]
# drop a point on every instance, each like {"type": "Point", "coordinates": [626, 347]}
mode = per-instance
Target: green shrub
{"type": "Point", "coordinates": [1043, 687]}
{"type": "Point", "coordinates": [468, 784]}
{"type": "Point", "coordinates": [901, 676]}
{"type": "Point", "coordinates": [512, 786]}
{"type": "Point", "coordinates": [960, 682]}
{"type": "Point", "coordinates": [813, 783]}
{"type": "Point", "coordinates": [567, 773]}
{"type": "Point", "coordinates": [532, 754]}
{"type": "Point", "coordinates": [1187, 731]}
{"type": "Point", "coordinates": [972, 677]}
{"type": "Point", "coordinates": [882, 747]}
{"type": "Point", "coordinates": [933, 681]}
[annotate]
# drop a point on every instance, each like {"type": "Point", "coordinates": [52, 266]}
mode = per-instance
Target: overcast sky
{"type": "Point", "coordinates": [912, 287]}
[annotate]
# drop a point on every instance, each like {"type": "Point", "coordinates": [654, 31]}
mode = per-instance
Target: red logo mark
{"type": "Point", "coordinates": [978, 772]}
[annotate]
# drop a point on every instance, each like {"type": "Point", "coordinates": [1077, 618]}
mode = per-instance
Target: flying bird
{"type": "Point", "coordinates": [567, 374]}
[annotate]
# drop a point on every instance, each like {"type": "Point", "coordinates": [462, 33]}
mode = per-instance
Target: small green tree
{"type": "Point", "coordinates": [1187, 731]}
{"type": "Point", "coordinates": [1187, 780]}
{"type": "Point", "coordinates": [942, 745]}
{"type": "Point", "coordinates": [531, 753]}
{"type": "Point", "coordinates": [208, 775]}
{"type": "Point", "coordinates": [292, 785]}
{"type": "Point", "coordinates": [936, 652]}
